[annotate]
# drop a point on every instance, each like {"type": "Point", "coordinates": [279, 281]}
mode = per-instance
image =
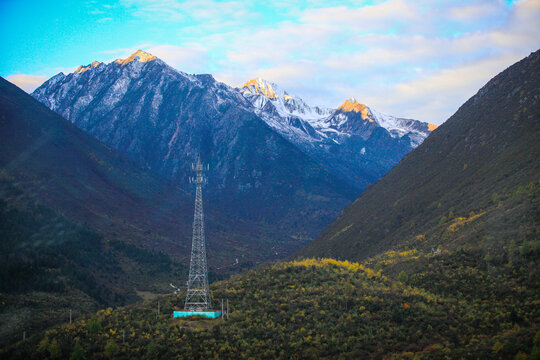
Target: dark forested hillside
{"type": "Point", "coordinates": [399, 305]}
{"type": "Point", "coordinates": [450, 190]}
{"type": "Point", "coordinates": [50, 265]}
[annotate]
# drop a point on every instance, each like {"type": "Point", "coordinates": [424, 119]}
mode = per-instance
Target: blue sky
{"type": "Point", "coordinates": [420, 59]}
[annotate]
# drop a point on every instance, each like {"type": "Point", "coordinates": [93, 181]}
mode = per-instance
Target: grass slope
{"type": "Point", "coordinates": [485, 151]}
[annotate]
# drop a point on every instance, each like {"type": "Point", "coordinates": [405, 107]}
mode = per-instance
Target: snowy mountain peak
{"type": "Point", "coordinates": [139, 55]}
{"type": "Point", "coordinates": [266, 96]}
{"type": "Point", "coordinates": [82, 68]}
{"type": "Point", "coordinates": [160, 116]}
{"type": "Point", "coordinates": [432, 127]}
{"type": "Point", "coordinates": [304, 124]}
{"type": "Point", "coordinates": [352, 105]}
{"type": "Point", "coordinates": [260, 86]}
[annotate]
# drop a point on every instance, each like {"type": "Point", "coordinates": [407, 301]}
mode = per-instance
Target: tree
{"type": "Point", "coordinates": [525, 249]}
{"type": "Point", "coordinates": [43, 345]}
{"type": "Point", "coordinates": [535, 353]}
{"type": "Point", "coordinates": [111, 349]}
{"type": "Point", "coordinates": [403, 276]}
{"type": "Point", "coordinates": [152, 350]}
{"type": "Point", "coordinates": [94, 326]}
{"type": "Point", "coordinates": [54, 349]}
{"type": "Point", "coordinates": [78, 353]}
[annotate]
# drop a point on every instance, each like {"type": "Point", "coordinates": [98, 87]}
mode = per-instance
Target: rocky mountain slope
{"type": "Point", "coordinates": [163, 118]}
{"type": "Point", "coordinates": [461, 186]}
{"type": "Point", "coordinates": [354, 141]}
{"type": "Point", "coordinates": [64, 168]}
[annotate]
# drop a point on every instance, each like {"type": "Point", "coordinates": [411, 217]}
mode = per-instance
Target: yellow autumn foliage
{"type": "Point", "coordinates": [461, 221]}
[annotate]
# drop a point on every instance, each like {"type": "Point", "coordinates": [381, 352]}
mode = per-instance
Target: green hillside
{"type": "Point", "coordinates": [72, 212]}
{"type": "Point", "coordinates": [409, 305]}
{"type": "Point", "coordinates": [83, 227]}
{"type": "Point", "coordinates": [486, 152]}
{"type": "Point", "coordinates": [49, 265]}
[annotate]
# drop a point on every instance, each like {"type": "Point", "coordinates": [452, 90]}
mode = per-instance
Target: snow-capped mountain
{"type": "Point", "coordinates": [163, 118]}
{"type": "Point", "coordinates": [354, 141]}
{"type": "Point", "coordinates": [290, 116]}
{"type": "Point", "coordinates": [273, 158]}
{"type": "Point", "coordinates": [293, 118]}
{"type": "Point", "coordinates": [345, 119]}
{"type": "Point", "coordinates": [260, 92]}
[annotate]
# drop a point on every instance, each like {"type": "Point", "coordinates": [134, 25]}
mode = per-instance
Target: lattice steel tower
{"type": "Point", "coordinates": [198, 295]}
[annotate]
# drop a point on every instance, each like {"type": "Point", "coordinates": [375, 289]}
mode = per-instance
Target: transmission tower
{"type": "Point", "coordinates": [198, 295]}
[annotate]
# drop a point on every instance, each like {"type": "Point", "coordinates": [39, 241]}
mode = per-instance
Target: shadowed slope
{"type": "Point", "coordinates": [482, 154]}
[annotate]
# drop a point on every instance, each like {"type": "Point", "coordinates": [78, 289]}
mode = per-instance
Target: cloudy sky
{"type": "Point", "coordinates": [411, 58]}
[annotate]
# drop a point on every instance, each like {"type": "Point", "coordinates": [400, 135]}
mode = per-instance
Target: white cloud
{"type": "Point", "coordinates": [191, 59]}
{"type": "Point", "coordinates": [475, 11]}
{"type": "Point", "coordinates": [428, 96]}
{"type": "Point", "coordinates": [405, 58]}
{"type": "Point", "coordinates": [159, 10]}
{"type": "Point", "coordinates": [370, 17]}
{"type": "Point", "coordinates": [27, 82]}
{"type": "Point", "coordinates": [205, 11]}
{"type": "Point", "coordinates": [414, 58]}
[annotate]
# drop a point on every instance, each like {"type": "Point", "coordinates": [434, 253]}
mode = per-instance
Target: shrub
{"type": "Point", "coordinates": [94, 326]}
{"type": "Point", "coordinates": [403, 276]}
{"type": "Point", "coordinates": [111, 349]}
{"type": "Point", "coordinates": [78, 353]}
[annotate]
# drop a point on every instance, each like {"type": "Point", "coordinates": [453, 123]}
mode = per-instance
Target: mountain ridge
{"type": "Point", "coordinates": [163, 119]}
{"type": "Point", "coordinates": [357, 146]}
{"type": "Point", "coordinates": [287, 115]}
{"type": "Point", "coordinates": [485, 152]}
{"type": "Point", "coordinates": [82, 223]}
{"type": "Point", "coordinates": [292, 106]}
{"type": "Point", "coordinates": [461, 280]}
{"type": "Point", "coordinates": [67, 170]}
{"type": "Point", "coordinates": [72, 211]}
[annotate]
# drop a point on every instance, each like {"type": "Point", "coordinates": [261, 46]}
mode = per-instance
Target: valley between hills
{"type": "Point", "coordinates": [434, 256]}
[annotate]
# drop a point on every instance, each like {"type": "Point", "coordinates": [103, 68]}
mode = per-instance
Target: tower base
{"type": "Point", "coordinates": [208, 314]}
